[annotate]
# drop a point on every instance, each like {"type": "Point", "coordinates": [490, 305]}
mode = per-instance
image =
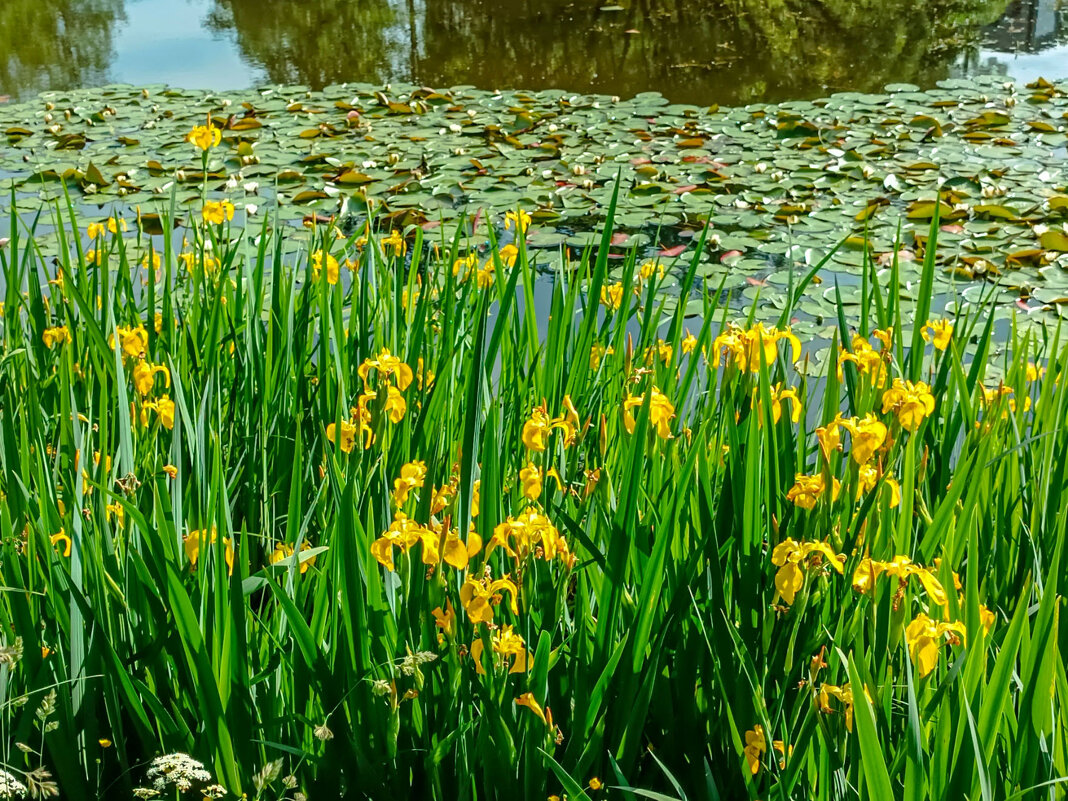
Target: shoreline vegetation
{"type": "Point", "coordinates": [290, 512]}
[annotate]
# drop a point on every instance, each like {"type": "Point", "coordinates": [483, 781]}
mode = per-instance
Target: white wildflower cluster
{"type": "Point", "coordinates": [180, 770]}
{"type": "Point", "coordinates": [10, 787]}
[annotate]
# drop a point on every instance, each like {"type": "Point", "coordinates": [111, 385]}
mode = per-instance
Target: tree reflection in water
{"type": "Point", "coordinates": [48, 44]}
{"type": "Point", "coordinates": [726, 51]}
{"type": "Point", "coordinates": [700, 51]}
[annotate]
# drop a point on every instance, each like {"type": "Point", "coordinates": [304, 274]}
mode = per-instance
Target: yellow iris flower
{"type": "Point", "coordinates": [479, 596]}
{"type": "Point", "coordinates": [867, 435]}
{"type": "Point", "coordinates": [910, 402]}
{"type": "Point", "coordinates": [869, 478]}
{"type": "Point", "coordinates": [940, 332]}
{"type": "Point", "coordinates": [396, 242]}
{"type": "Point", "coordinates": [829, 436]}
{"type": "Point", "coordinates": [867, 360]}
{"type": "Point", "coordinates": [530, 532]}
{"type": "Point", "coordinates": [411, 477]}
{"type": "Point", "coordinates": [164, 409]}
{"type": "Point", "coordinates": [661, 412]}
{"type": "Point", "coordinates": [217, 212]}
{"type": "Point", "coordinates": [284, 550]}
{"type": "Point", "coordinates": [755, 747]}
{"type": "Point", "coordinates": [333, 271]}
{"type": "Point", "coordinates": [612, 295]}
{"type": "Point", "coordinates": [445, 619]}
{"type": "Point", "coordinates": [844, 694]}
{"type": "Point", "coordinates": [56, 335]}
{"type": "Point", "coordinates": [900, 567]}
{"type": "Point", "coordinates": [509, 651]}
{"type": "Point", "coordinates": [520, 219]}
{"type": "Point", "coordinates": [144, 376]}
{"type": "Point", "coordinates": [790, 556]}
{"type": "Point", "coordinates": [439, 543]}
{"type": "Point", "coordinates": [348, 435]}
{"type": "Point", "coordinates": [386, 364]}
{"type": "Point", "coordinates": [204, 137]}
{"type": "Point", "coordinates": [195, 540]}
{"type": "Point", "coordinates": [134, 341]}
{"type": "Point", "coordinates": [925, 637]}
{"type": "Point", "coordinates": [808, 489]}
{"type": "Point", "coordinates": [61, 537]}
{"type": "Point", "coordinates": [778, 396]}
{"type": "Point", "coordinates": [508, 255]}
{"type": "Point", "coordinates": [466, 263]}
{"type": "Point", "coordinates": [402, 533]}
{"type": "Point", "coordinates": [745, 347]}
{"type": "Point", "coordinates": [539, 425]}
{"type": "Point", "coordinates": [528, 700]}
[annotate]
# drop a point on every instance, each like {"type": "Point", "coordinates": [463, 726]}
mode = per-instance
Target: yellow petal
{"type": "Point", "coordinates": [788, 581]}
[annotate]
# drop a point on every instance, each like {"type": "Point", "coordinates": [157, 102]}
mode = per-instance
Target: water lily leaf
{"type": "Point", "coordinates": [94, 176]}
{"type": "Point", "coordinates": [308, 195]}
{"type": "Point", "coordinates": [1054, 240]}
{"type": "Point", "coordinates": [1027, 256]}
{"type": "Point", "coordinates": [245, 124]}
{"type": "Point", "coordinates": [996, 211]}
{"type": "Point", "coordinates": [925, 209]}
{"type": "Point", "coordinates": [353, 177]}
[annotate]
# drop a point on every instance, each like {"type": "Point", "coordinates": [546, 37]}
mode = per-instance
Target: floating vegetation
{"type": "Point", "coordinates": [780, 185]}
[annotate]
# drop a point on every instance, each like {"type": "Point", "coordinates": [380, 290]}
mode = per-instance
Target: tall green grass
{"type": "Point", "coordinates": [670, 663]}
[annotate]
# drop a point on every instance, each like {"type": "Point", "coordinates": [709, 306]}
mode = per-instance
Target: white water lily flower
{"type": "Point", "coordinates": [251, 187]}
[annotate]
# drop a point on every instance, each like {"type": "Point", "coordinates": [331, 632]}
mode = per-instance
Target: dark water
{"type": "Point", "coordinates": [699, 51]}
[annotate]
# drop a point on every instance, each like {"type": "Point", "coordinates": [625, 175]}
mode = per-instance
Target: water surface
{"type": "Point", "coordinates": [695, 51]}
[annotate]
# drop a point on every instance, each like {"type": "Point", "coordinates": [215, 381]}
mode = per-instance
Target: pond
{"type": "Point", "coordinates": [729, 52]}
{"type": "Point", "coordinates": [795, 174]}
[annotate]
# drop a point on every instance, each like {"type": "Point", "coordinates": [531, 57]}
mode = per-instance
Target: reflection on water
{"type": "Point", "coordinates": [1029, 40]}
{"type": "Point", "coordinates": [55, 43]}
{"type": "Point", "coordinates": [700, 51]}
